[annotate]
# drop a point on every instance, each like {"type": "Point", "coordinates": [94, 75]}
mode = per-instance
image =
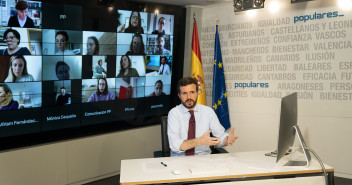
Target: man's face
{"type": "Point", "coordinates": [163, 61]}
{"type": "Point", "coordinates": [22, 13]}
{"type": "Point", "coordinates": [136, 44]}
{"type": "Point", "coordinates": [158, 89]}
{"type": "Point", "coordinates": [63, 91]}
{"type": "Point", "coordinates": [188, 96]}
{"type": "Point", "coordinates": [161, 25]}
{"type": "Point", "coordinates": [160, 44]}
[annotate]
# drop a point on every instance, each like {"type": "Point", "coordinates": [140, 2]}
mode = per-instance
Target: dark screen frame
{"type": "Point", "coordinates": [52, 136]}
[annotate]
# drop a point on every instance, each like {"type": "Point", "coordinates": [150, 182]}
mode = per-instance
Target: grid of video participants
{"type": "Point", "coordinates": [60, 78]}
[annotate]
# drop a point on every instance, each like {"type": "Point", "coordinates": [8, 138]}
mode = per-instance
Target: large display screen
{"type": "Point", "coordinates": [62, 67]}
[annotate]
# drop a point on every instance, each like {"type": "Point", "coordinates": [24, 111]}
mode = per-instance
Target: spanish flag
{"type": "Point", "coordinates": [196, 65]}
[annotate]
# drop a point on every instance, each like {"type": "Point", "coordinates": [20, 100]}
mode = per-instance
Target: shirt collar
{"type": "Point", "coordinates": [185, 110]}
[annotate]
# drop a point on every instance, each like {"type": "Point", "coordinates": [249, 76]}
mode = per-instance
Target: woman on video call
{"type": "Point", "coordinates": [125, 68]}
{"type": "Point", "coordinates": [62, 70]}
{"type": "Point", "coordinates": [134, 25]}
{"type": "Point", "coordinates": [12, 39]}
{"type": "Point", "coordinates": [6, 100]}
{"type": "Point", "coordinates": [98, 70]}
{"type": "Point", "coordinates": [18, 70]}
{"type": "Point", "coordinates": [136, 46]}
{"type": "Point", "coordinates": [61, 40]}
{"type": "Point", "coordinates": [92, 46]}
{"type": "Point", "coordinates": [102, 93]}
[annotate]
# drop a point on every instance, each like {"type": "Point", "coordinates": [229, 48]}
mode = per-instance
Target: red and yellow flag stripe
{"type": "Point", "coordinates": [196, 66]}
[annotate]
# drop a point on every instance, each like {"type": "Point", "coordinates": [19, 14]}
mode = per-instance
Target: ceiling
{"type": "Point", "coordinates": [185, 2]}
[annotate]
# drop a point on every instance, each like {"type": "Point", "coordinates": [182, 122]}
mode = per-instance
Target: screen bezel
{"type": "Point", "coordinates": [52, 136]}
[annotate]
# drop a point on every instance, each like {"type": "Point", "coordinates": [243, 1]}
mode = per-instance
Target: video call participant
{"type": "Point", "coordinates": [136, 46]}
{"type": "Point", "coordinates": [98, 70]}
{"type": "Point", "coordinates": [18, 70]}
{"type": "Point", "coordinates": [164, 67]}
{"type": "Point", "coordinates": [102, 93]}
{"type": "Point", "coordinates": [6, 100]}
{"type": "Point", "coordinates": [134, 25]}
{"type": "Point", "coordinates": [92, 46]}
{"type": "Point", "coordinates": [201, 120]}
{"type": "Point", "coordinates": [61, 40]}
{"type": "Point", "coordinates": [63, 98]}
{"type": "Point", "coordinates": [160, 46]}
{"type": "Point", "coordinates": [125, 68]}
{"type": "Point", "coordinates": [158, 89]}
{"type": "Point", "coordinates": [161, 25]}
{"type": "Point", "coordinates": [12, 39]}
{"type": "Point", "coordinates": [62, 70]}
{"type": "Point", "coordinates": [126, 90]}
{"type": "Point", "coordinates": [21, 19]}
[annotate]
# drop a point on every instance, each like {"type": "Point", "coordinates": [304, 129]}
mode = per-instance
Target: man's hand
{"type": "Point", "coordinates": [229, 140]}
{"type": "Point", "coordinates": [206, 140]}
{"type": "Point", "coordinates": [202, 140]}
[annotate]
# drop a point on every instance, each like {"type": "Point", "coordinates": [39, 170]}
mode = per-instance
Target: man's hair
{"type": "Point", "coordinates": [160, 36]}
{"type": "Point", "coordinates": [159, 81]}
{"type": "Point", "coordinates": [62, 33]}
{"type": "Point", "coordinates": [8, 94]}
{"type": "Point", "coordinates": [62, 88]}
{"type": "Point", "coordinates": [21, 5]}
{"type": "Point", "coordinates": [160, 19]}
{"type": "Point", "coordinates": [186, 81]}
{"type": "Point", "coordinates": [61, 63]}
{"type": "Point", "coordinates": [161, 58]}
{"type": "Point", "coordinates": [15, 32]}
{"type": "Point", "coordinates": [105, 89]}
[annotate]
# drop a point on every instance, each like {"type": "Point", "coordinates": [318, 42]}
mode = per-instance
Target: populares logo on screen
{"type": "Point", "coordinates": [316, 15]}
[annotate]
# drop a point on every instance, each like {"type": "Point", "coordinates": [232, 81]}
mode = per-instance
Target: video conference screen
{"type": "Point", "coordinates": [60, 69]}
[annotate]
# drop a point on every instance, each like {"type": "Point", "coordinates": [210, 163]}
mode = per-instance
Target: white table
{"type": "Point", "coordinates": [242, 166]}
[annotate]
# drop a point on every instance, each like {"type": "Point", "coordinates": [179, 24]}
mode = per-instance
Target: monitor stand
{"type": "Point", "coordinates": [304, 148]}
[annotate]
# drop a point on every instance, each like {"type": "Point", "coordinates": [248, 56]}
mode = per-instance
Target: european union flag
{"type": "Point", "coordinates": [219, 89]}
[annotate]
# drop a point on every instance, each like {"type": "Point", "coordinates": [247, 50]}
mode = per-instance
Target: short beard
{"type": "Point", "coordinates": [192, 106]}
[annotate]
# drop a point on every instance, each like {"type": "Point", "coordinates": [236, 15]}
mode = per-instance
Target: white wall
{"type": "Point", "coordinates": [325, 123]}
{"type": "Point", "coordinates": [77, 161]}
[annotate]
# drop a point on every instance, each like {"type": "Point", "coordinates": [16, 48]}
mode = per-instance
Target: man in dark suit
{"type": "Point", "coordinates": [21, 19]}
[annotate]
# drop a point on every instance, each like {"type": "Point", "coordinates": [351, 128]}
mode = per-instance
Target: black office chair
{"type": "Point", "coordinates": [165, 152]}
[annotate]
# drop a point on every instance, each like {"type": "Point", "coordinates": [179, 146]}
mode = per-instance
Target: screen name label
{"type": "Point", "coordinates": [21, 122]}
{"type": "Point", "coordinates": [53, 118]}
{"type": "Point", "coordinates": [87, 114]}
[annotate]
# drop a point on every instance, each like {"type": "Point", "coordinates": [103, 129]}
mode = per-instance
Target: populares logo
{"type": "Point", "coordinates": [316, 15]}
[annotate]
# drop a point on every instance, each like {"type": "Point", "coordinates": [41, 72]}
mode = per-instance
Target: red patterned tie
{"type": "Point", "coordinates": [191, 131]}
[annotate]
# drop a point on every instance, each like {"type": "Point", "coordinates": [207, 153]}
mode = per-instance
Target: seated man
{"type": "Point", "coordinates": [160, 46]}
{"type": "Point", "coordinates": [161, 24]}
{"type": "Point", "coordinates": [164, 67]}
{"type": "Point", "coordinates": [63, 98]}
{"type": "Point", "coordinates": [189, 124]}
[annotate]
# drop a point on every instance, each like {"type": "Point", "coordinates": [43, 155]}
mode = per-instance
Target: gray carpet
{"type": "Point", "coordinates": [115, 180]}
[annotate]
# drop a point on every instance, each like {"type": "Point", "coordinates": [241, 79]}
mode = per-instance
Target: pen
{"type": "Point", "coordinates": [163, 164]}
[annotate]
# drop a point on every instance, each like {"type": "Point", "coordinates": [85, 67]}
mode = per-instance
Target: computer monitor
{"type": "Point", "coordinates": [287, 131]}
